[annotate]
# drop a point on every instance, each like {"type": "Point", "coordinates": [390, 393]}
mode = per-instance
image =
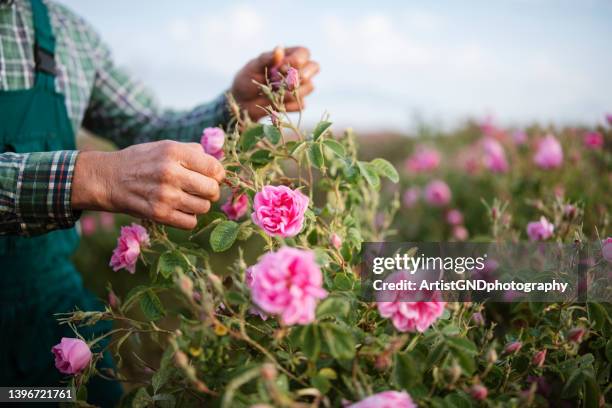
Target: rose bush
{"type": "Point", "coordinates": [261, 305]}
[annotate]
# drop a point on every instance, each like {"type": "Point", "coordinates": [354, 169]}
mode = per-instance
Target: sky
{"type": "Point", "coordinates": [385, 65]}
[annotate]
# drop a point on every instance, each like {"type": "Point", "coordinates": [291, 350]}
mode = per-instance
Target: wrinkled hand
{"type": "Point", "coordinates": [168, 182]}
{"type": "Point", "coordinates": [248, 95]}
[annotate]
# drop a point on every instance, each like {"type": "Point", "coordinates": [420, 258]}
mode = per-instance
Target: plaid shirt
{"type": "Point", "coordinates": [35, 188]}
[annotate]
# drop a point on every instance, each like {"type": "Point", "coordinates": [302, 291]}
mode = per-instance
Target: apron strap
{"type": "Point", "coordinates": [44, 46]}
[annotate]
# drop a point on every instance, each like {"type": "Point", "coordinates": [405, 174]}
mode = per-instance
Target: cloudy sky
{"type": "Point", "coordinates": [384, 63]}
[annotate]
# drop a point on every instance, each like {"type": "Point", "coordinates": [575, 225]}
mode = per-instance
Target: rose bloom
{"type": "Point", "coordinates": [549, 153]}
{"type": "Point", "coordinates": [129, 244]}
{"type": "Point", "coordinates": [335, 241]}
{"type": "Point", "coordinates": [437, 193]}
{"type": "Point", "coordinates": [454, 217]}
{"type": "Point", "coordinates": [212, 141]}
{"type": "Point", "coordinates": [254, 310]}
{"type": "Point", "coordinates": [494, 156]}
{"type": "Point", "coordinates": [606, 249]}
{"type": "Point", "coordinates": [279, 210]}
{"type": "Point", "coordinates": [423, 159]}
{"type": "Point", "coordinates": [288, 283]}
{"type": "Point", "coordinates": [479, 392]}
{"type": "Point", "coordinates": [405, 315]}
{"type": "Point", "coordinates": [71, 355]}
{"type": "Point", "coordinates": [386, 399]}
{"type": "Point", "coordinates": [519, 137]}
{"type": "Point", "coordinates": [460, 233]}
{"type": "Point", "coordinates": [411, 196]}
{"type": "Point", "coordinates": [236, 206]}
{"type": "Point", "coordinates": [593, 140]}
{"type": "Point", "coordinates": [540, 230]}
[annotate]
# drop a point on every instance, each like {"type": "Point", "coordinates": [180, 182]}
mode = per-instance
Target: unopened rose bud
{"type": "Point", "coordinates": [494, 213]}
{"type": "Point", "coordinates": [479, 392]}
{"type": "Point", "coordinates": [491, 356]}
{"type": "Point", "coordinates": [576, 334]}
{"type": "Point", "coordinates": [181, 359]}
{"type": "Point", "coordinates": [383, 362]}
{"type": "Point", "coordinates": [268, 371]}
{"type": "Point", "coordinates": [113, 300]}
{"type": "Point", "coordinates": [513, 347]}
{"type": "Point", "coordinates": [478, 319]}
{"type": "Point", "coordinates": [293, 78]}
{"type": "Point", "coordinates": [336, 241]}
{"type": "Point", "coordinates": [538, 358]}
{"type": "Point", "coordinates": [455, 372]}
{"type": "Point", "coordinates": [570, 211]}
{"type": "Point", "coordinates": [186, 285]}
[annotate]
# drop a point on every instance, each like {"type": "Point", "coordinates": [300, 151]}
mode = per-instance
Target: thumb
{"type": "Point", "coordinates": [273, 58]}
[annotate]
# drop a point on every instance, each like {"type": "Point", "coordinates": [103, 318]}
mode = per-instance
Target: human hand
{"type": "Point", "coordinates": [248, 94]}
{"type": "Point", "coordinates": [168, 182]}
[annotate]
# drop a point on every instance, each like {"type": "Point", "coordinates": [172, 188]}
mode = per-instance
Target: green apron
{"type": "Point", "coordinates": [37, 278]}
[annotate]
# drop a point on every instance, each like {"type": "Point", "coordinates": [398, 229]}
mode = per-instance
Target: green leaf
{"type": "Point", "coordinates": [309, 340]}
{"type": "Point", "coordinates": [171, 262]}
{"type": "Point", "coordinates": [405, 372]}
{"type": "Point", "coordinates": [458, 401]}
{"type": "Point", "coordinates": [573, 384]}
{"type": "Point", "coordinates": [343, 282]}
{"type": "Point", "coordinates": [598, 315]}
{"type": "Point", "coordinates": [333, 307]}
{"type": "Point", "coordinates": [385, 169]}
{"type": "Point", "coordinates": [436, 354]}
{"type": "Point", "coordinates": [223, 236]}
{"type": "Point", "coordinates": [335, 147]}
{"type": "Point", "coordinates": [272, 133]}
{"type": "Point", "coordinates": [462, 344]}
{"type": "Point", "coordinates": [339, 341]}
{"type": "Point", "coordinates": [261, 157]}
{"type": "Point", "coordinates": [320, 129]}
{"type": "Point", "coordinates": [251, 136]}
{"type": "Point", "coordinates": [151, 306]}
{"type": "Point", "coordinates": [320, 383]}
{"type": "Point", "coordinates": [161, 377]}
{"type": "Point", "coordinates": [591, 393]}
{"type": "Point", "coordinates": [315, 155]}
{"type": "Point", "coordinates": [141, 399]}
{"type": "Point", "coordinates": [609, 350]}
{"type": "Point", "coordinates": [369, 173]}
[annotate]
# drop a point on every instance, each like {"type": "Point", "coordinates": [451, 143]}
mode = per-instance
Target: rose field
{"type": "Point", "coordinates": [261, 305]}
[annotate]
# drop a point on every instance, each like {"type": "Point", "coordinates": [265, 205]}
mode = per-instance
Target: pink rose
{"type": "Point", "coordinates": [494, 156]}
{"type": "Point", "coordinates": [71, 355]}
{"type": "Point", "coordinates": [540, 230]}
{"type": "Point", "coordinates": [288, 283]}
{"type": "Point", "coordinates": [386, 399]}
{"type": "Point", "coordinates": [253, 310]}
{"type": "Point", "coordinates": [411, 196]}
{"type": "Point", "coordinates": [279, 210]}
{"type": "Point", "coordinates": [606, 249]}
{"type": "Point", "coordinates": [576, 334]}
{"type": "Point", "coordinates": [293, 78]}
{"type": "Point", "coordinates": [129, 244]}
{"type": "Point", "coordinates": [437, 193]}
{"type": "Point", "coordinates": [236, 206]}
{"type": "Point", "coordinates": [479, 392]}
{"type": "Point", "coordinates": [549, 153]}
{"type": "Point", "coordinates": [488, 127]}
{"type": "Point", "coordinates": [212, 141]}
{"type": "Point", "coordinates": [405, 315]}
{"type": "Point", "coordinates": [107, 220]}
{"type": "Point", "coordinates": [335, 240]}
{"type": "Point", "coordinates": [454, 217]}
{"type": "Point", "coordinates": [593, 140]}
{"type": "Point", "coordinates": [519, 137]}
{"type": "Point", "coordinates": [88, 225]}
{"type": "Point", "coordinates": [423, 159]}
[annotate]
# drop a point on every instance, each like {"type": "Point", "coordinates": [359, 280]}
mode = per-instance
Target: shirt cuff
{"type": "Point", "coordinates": [44, 190]}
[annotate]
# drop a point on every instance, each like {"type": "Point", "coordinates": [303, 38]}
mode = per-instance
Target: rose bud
{"type": "Point", "coordinates": [513, 347]}
{"type": "Point", "coordinates": [478, 319]}
{"type": "Point", "coordinates": [268, 371]}
{"type": "Point", "coordinates": [575, 335]}
{"type": "Point", "coordinates": [491, 356]}
{"type": "Point", "coordinates": [71, 355]}
{"type": "Point", "coordinates": [538, 358]}
{"type": "Point", "coordinates": [336, 241]}
{"type": "Point", "coordinates": [479, 392]}
{"type": "Point", "coordinates": [113, 300]}
{"type": "Point", "coordinates": [212, 141]}
{"type": "Point", "coordinates": [292, 79]}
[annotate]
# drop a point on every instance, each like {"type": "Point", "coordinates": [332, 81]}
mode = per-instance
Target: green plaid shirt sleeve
{"type": "Point", "coordinates": [35, 190]}
{"type": "Point", "coordinates": [124, 111]}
